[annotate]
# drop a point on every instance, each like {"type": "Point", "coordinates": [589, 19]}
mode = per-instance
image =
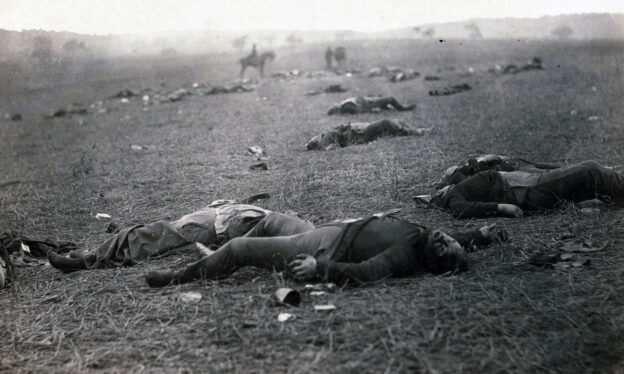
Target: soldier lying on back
{"type": "Point", "coordinates": [363, 132]}
{"type": "Point", "coordinates": [364, 104]}
{"type": "Point", "coordinates": [356, 251]}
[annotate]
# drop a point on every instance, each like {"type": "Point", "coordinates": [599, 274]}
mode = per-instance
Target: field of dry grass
{"type": "Point", "coordinates": [503, 315]}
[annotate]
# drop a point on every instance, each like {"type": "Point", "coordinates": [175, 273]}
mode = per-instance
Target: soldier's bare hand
{"type": "Point", "coordinates": [303, 267]}
{"type": "Point", "coordinates": [488, 231]}
{"type": "Point", "coordinates": [510, 210]}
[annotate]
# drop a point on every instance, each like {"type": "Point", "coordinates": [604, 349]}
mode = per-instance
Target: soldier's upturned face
{"type": "Point", "coordinates": [449, 254]}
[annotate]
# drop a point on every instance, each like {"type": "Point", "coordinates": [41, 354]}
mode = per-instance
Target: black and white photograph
{"type": "Point", "coordinates": [311, 186]}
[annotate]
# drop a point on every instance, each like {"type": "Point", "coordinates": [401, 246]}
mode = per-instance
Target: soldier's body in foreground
{"type": "Point", "coordinates": [361, 250]}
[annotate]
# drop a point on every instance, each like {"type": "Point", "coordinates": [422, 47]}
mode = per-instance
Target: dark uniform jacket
{"type": "Point", "coordinates": [373, 248]}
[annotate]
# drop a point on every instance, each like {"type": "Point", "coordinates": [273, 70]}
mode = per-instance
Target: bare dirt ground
{"type": "Point", "coordinates": [503, 315]}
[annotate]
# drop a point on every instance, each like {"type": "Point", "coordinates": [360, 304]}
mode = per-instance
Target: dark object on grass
{"type": "Point", "coordinates": [16, 117]}
{"type": "Point", "coordinates": [543, 259]}
{"type": "Point", "coordinates": [38, 248]}
{"type": "Point", "coordinates": [558, 260]}
{"type": "Point", "coordinates": [124, 94]}
{"type": "Point", "coordinates": [71, 109]}
{"type": "Point", "coordinates": [112, 228]}
{"type": "Point", "coordinates": [252, 199]}
{"type": "Point", "coordinates": [445, 91]}
{"type": "Point", "coordinates": [6, 268]}
{"type": "Point", "coordinates": [534, 64]}
{"type": "Point", "coordinates": [12, 244]}
{"type": "Point", "coordinates": [334, 88]}
{"type": "Point", "coordinates": [287, 296]}
{"type": "Point", "coordinates": [259, 166]}
{"type": "Point", "coordinates": [432, 78]}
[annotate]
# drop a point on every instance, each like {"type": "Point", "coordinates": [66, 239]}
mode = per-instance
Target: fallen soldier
{"type": "Point", "coordinates": [475, 164]}
{"type": "Point", "coordinates": [404, 75]}
{"type": "Point", "coordinates": [450, 90]}
{"type": "Point", "coordinates": [365, 104]}
{"type": "Point", "coordinates": [68, 111]}
{"type": "Point", "coordinates": [360, 133]}
{"type": "Point", "coordinates": [359, 251]}
{"type": "Point", "coordinates": [236, 88]}
{"type": "Point", "coordinates": [384, 70]}
{"type": "Point", "coordinates": [217, 223]}
{"type": "Point", "coordinates": [333, 88]}
{"type": "Point", "coordinates": [508, 193]}
{"type": "Point", "coordinates": [534, 64]}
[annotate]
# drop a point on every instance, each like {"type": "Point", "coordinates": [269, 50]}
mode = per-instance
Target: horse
{"type": "Point", "coordinates": [256, 61]}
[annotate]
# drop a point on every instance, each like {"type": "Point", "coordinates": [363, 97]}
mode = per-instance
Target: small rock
{"type": "Point", "coordinates": [260, 166]}
{"type": "Point", "coordinates": [100, 216]}
{"type": "Point", "coordinates": [581, 262]}
{"type": "Point", "coordinates": [589, 210]}
{"type": "Point", "coordinates": [190, 297]}
{"type": "Point", "coordinates": [325, 307]}
{"type": "Point", "coordinates": [283, 317]}
{"type": "Point", "coordinates": [249, 324]}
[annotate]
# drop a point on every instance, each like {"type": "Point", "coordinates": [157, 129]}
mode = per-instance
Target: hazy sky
{"type": "Point", "coordinates": [145, 16]}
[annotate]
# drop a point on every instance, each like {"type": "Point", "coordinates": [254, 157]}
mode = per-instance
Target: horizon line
{"type": "Point", "coordinates": [242, 31]}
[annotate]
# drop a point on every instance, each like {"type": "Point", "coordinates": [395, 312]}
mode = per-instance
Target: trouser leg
{"type": "Point", "coordinates": [349, 108]}
{"type": "Point", "coordinates": [391, 100]}
{"type": "Point", "coordinates": [382, 127]}
{"type": "Point", "coordinates": [576, 183]}
{"type": "Point", "coordinates": [279, 224]}
{"type": "Point", "coordinates": [267, 253]}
